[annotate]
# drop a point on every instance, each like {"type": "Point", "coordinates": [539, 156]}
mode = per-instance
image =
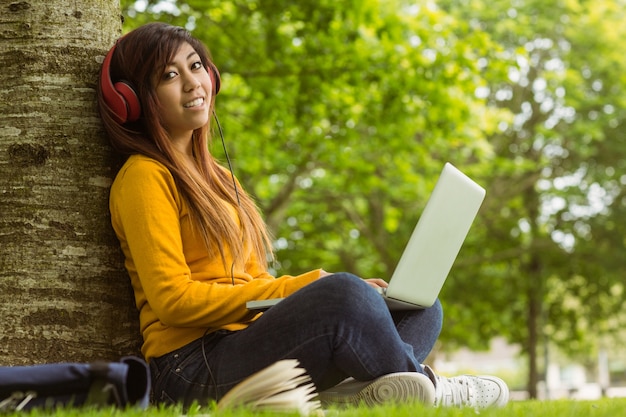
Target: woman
{"type": "Point", "coordinates": [196, 250]}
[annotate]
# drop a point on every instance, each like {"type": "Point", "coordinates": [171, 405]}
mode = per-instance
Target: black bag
{"type": "Point", "coordinates": [121, 384]}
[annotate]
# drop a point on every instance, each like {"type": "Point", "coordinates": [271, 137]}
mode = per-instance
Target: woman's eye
{"type": "Point", "coordinates": [169, 75]}
{"type": "Point", "coordinates": [196, 65]}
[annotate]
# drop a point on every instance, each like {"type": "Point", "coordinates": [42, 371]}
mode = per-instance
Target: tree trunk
{"type": "Point", "coordinates": [64, 295]}
{"type": "Point", "coordinates": [534, 312]}
{"type": "Point", "coordinates": [533, 270]}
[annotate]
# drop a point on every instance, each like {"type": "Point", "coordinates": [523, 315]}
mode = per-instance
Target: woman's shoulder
{"type": "Point", "coordinates": [143, 162]}
{"type": "Point", "coordinates": [141, 165]}
{"type": "Point", "coordinates": [143, 169]}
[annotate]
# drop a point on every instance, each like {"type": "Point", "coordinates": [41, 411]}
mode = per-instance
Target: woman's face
{"type": "Point", "coordinates": [184, 92]}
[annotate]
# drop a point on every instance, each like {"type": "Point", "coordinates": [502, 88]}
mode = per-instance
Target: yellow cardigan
{"type": "Point", "coordinates": [180, 291]}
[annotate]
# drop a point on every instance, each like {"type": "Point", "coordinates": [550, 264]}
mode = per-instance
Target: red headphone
{"type": "Point", "coordinates": [122, 98]}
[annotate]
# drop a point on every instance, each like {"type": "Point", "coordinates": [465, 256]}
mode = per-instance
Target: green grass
{"type": "Point", "coordinates": [562, 408]}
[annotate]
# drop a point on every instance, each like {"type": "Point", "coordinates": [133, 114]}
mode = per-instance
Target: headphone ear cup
{"type": "Point", "coordinates": [120, 97]}
{"type": "Point", "coordinates": [133, 107]}
{"type": "Point", "coordinates": [215, 78]}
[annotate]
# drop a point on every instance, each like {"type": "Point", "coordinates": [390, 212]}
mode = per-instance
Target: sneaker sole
{"type": "Point", "coordinates": [404, 387]}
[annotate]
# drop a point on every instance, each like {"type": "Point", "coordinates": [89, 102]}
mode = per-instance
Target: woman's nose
{"type": "Point", "coordinates": [191, 83]}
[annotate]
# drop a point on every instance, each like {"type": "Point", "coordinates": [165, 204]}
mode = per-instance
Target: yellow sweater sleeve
{"type": "Point", "coordinates": [180, 291]}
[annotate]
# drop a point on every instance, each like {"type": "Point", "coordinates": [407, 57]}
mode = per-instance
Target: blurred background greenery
{"type": "Point", "coordinates": [339, 115]}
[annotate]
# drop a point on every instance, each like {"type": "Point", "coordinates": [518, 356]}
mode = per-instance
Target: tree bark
{"type": "Point", "coordinates": [534, 313]}
{"type": "Point", "coordinates": [533, 270]}
{"type": "Point", "coordinates": [64, 295]}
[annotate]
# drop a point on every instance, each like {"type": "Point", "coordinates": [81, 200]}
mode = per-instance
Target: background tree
{"type": "Point", "coordinates": [63, 293]}
{"type": "Point", "coordinates": [556, 185]}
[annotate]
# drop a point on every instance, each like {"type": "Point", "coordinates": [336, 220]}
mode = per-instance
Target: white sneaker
{"type": "Point", "coordinates": [469, 391]}
{"type": "Point", "coordinates": [402, 387]}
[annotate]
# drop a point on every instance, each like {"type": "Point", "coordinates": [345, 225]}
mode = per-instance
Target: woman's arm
{"type": "Point", "coordinates": [167, 261]}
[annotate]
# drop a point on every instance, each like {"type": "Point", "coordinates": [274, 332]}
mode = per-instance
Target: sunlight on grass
{"type": "Point", "coordinates": [601, 408]}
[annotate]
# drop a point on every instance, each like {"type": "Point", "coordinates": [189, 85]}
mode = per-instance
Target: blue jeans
{"type": "Point", "coordinates": [337, 327]}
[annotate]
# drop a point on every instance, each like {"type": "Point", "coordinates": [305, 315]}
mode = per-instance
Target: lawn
{"type": "Point", "coordinates": [599, 408]}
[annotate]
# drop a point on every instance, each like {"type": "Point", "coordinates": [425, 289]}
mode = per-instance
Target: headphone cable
{"type": "Point", "coordinates": [230, 166]}
{"type": "Point", "coordinates": [232, 175]}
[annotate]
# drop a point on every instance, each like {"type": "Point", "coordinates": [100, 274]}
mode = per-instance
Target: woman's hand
{"type": "Point", "coordinates": [372, 282]}
{"type": "Point", "coordinates": [377, 283]}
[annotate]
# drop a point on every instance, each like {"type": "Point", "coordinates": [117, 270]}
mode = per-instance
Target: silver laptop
{"type": "Point", "coordinates": [433, 246]}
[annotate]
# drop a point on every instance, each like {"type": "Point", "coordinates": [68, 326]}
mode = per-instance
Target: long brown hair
{"type": "Point", "coordinates": [139, 59]}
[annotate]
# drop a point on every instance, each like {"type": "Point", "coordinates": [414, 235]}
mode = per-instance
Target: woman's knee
{"type": "Point", "coordinates": [344, 285]}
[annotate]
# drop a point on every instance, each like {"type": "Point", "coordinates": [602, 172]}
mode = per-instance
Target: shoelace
{"type": "Point", "coordinates": [457, 391]}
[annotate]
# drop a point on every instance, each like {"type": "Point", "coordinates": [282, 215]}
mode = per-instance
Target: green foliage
{"type": "Point", "coordinates": [339, 116]}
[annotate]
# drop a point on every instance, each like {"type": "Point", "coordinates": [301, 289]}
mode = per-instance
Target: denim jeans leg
{"type": "Point", "coordinates": [336, 327]}
{"type": "Point", "coordinates": [183, 375]}
{"type": "Point", "coordinates": [420, 328]}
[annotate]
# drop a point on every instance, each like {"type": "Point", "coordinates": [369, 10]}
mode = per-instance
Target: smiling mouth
{"type": "Point", "coordinates": [195, 103]}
